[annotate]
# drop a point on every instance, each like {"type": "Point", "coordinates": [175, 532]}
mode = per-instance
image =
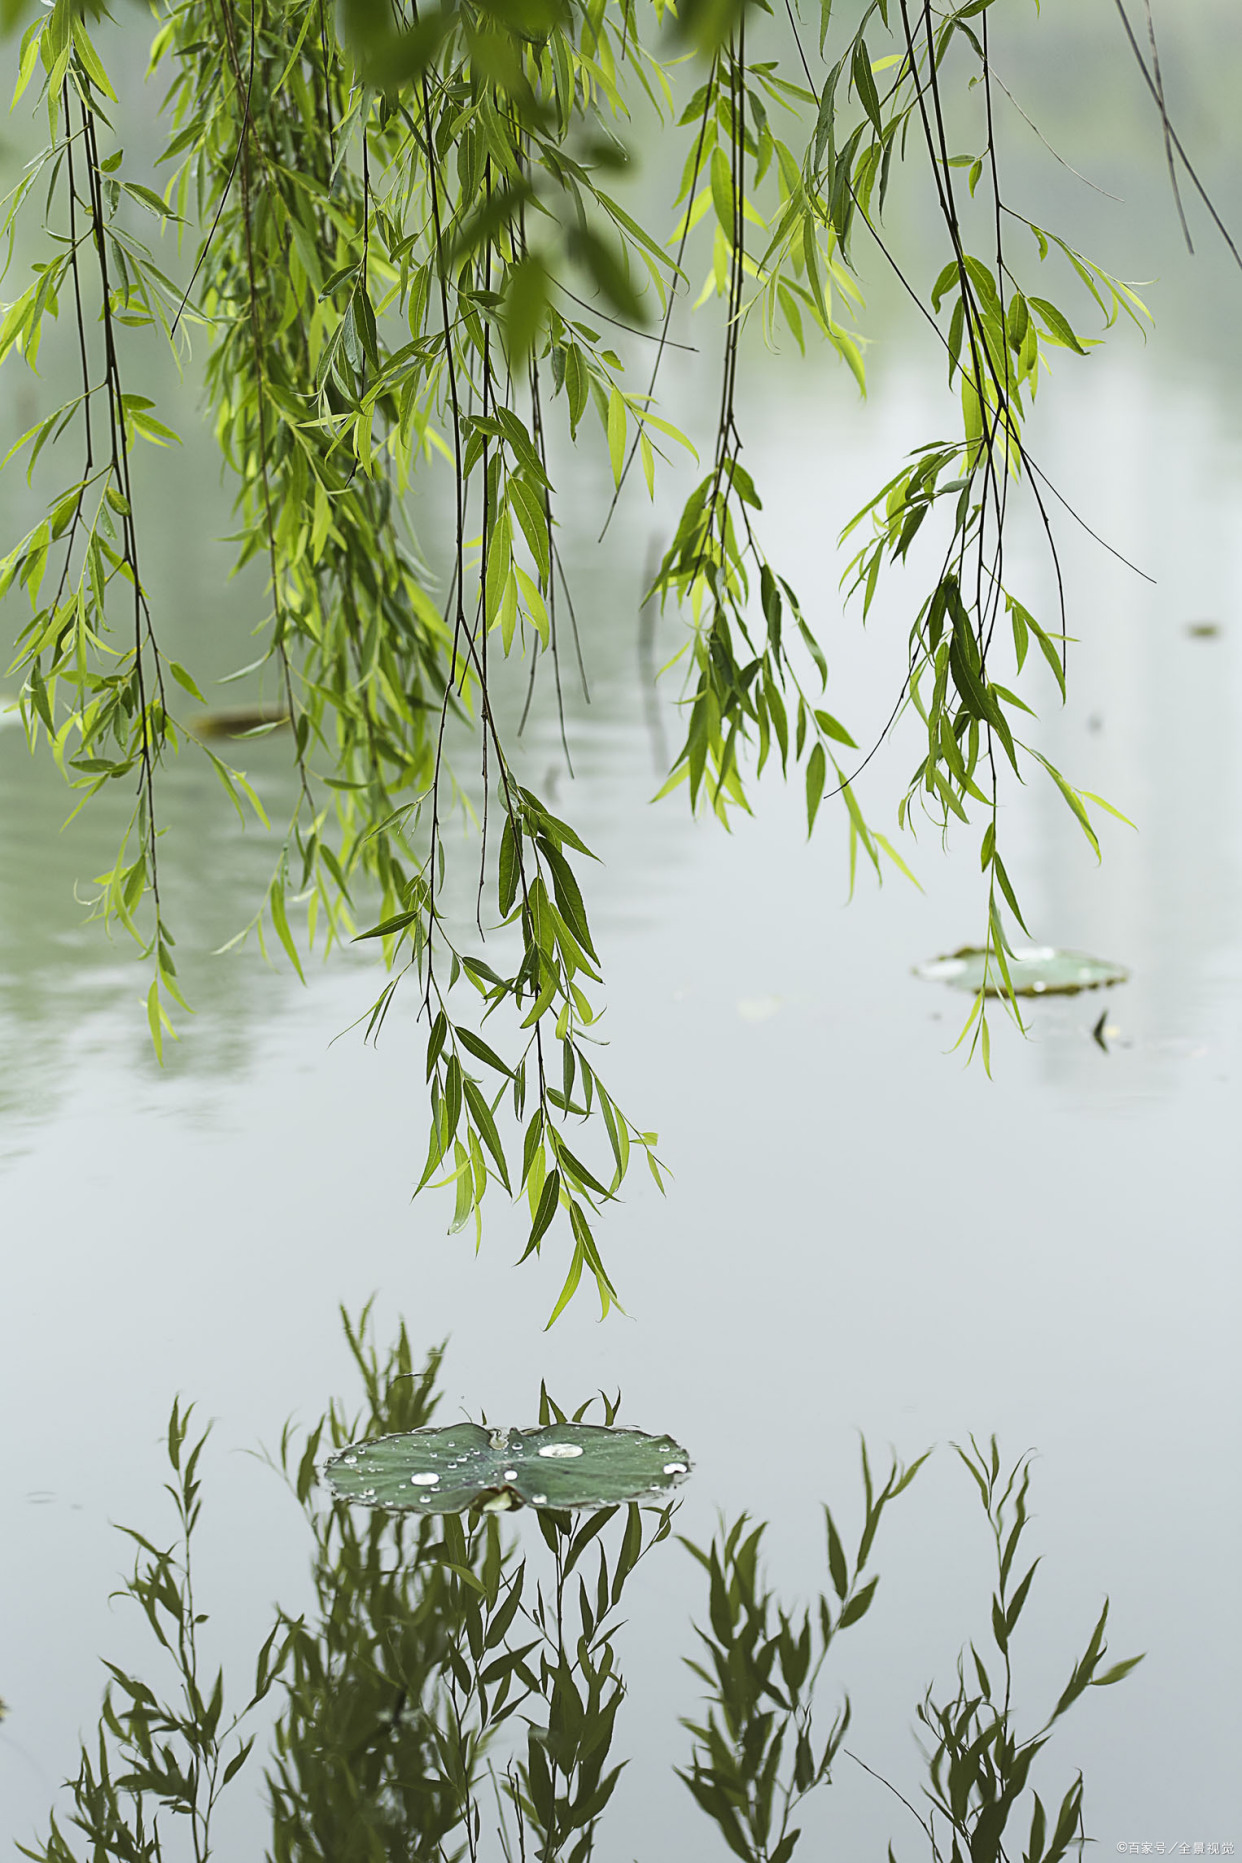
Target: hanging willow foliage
{"type": "Point", "coordinates": [385, 220]}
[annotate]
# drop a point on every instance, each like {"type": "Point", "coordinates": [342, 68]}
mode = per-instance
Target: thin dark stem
{"type": "Point", "coordinates": [1173, 136]}
{"type": "Point", "coordinates": [710, 91]}
{"type": "Point", "coordinates": [224, 195]}
{"type": "Point", "coordinates": [462, 638]}
{"type": "Point", "coordinates": [143, 632]}
{"type": "Point", "coordinates": [327, 84]}
{"type": "Point", "coordinates": [889, 1787]}
{"type": "Point", "coordinates": [489, 521]}
{"type": "Point", "coordinates": [1165, 125]}
{"type": "Point", "coordinates": [254, 320]}
{"type": "Point", "coordinates": [87, 390]}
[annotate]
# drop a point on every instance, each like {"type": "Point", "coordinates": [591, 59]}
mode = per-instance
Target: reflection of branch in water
{"type": "Point", "coordinates": [978, 1765]}
{"type": "Point", "coordinates": [890, 1787]}
{"type": "Point", "coordinates": [754, 1757]}
{"type": "Point", "coordinates": [436, 1658]}
{"type": "Point", "coordinates": [648, 615]}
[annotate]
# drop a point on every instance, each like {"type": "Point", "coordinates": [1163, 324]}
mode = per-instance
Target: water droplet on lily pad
{"type": "Point", "coordinates": [1034, 970]}
{"type": "Point", "coordinates": [563, 1465]}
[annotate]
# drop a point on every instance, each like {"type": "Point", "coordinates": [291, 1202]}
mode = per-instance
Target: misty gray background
{"type": "Point", "coordinates": [861, 1233]}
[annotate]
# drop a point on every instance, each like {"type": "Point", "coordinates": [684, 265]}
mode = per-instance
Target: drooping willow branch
{"type": "Point", "coordinates": [409, 254]}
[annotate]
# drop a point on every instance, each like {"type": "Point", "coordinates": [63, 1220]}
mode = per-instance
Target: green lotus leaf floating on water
{"type": "Point", "coordinates": [566, 1465]}
{"type": "Point", "coordinates": [1038, 970]}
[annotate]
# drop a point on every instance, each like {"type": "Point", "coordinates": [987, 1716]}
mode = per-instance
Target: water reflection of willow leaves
{"type": "Point", "coordinates": [61, 986]}
{"type": "Point", "coordinates": [755, 1755]}
{"type": "Point", "coordinates": [454, 1693]}
{"type": "Point", "coordinates": [391, 231]}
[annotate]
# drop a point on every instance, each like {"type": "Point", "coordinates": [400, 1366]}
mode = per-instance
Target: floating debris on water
{"type": "Point", "coordinates": [240, 720]}
{"type": "Point", "coordinates": [759, 1008]}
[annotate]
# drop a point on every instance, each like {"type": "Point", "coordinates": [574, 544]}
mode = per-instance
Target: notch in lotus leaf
{"type": "Point", "coordinates": [565, 1465]}
{"type": "Point", "coordinates": [1037, 971]}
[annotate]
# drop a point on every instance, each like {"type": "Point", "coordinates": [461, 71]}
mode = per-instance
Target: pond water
{"type": "Point", "coordinates": [861, 1234]}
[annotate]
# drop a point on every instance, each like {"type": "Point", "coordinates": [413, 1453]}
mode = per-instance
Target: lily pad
{"type": "Point", "coordinates": [1038, 970]}
{"type": "Point", "coordinates": [445, 1471]}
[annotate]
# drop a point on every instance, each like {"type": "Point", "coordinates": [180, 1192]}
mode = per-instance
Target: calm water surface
{"type": "Point", "coordinates": [861, 1234]}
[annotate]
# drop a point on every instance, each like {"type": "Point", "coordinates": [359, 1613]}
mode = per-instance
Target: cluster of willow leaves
{"type": "Point", "coordinates": [454, 1691]}
{"type": "Point", "coordinates": [397, 239]}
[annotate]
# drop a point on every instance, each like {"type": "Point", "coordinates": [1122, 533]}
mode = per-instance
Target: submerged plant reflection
{"type": "Point", "coordinates": [428, 1639]}
{"type": "Point", "coordinates": [452, 1695]}
{"type": "Point", "coordinates": [754, 1758]}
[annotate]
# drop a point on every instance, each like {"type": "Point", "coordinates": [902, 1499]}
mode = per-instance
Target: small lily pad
{"type": "Point", "coordinates": [445, 1471]}
{"type": "Point", "coordinates": [1037, 971]}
